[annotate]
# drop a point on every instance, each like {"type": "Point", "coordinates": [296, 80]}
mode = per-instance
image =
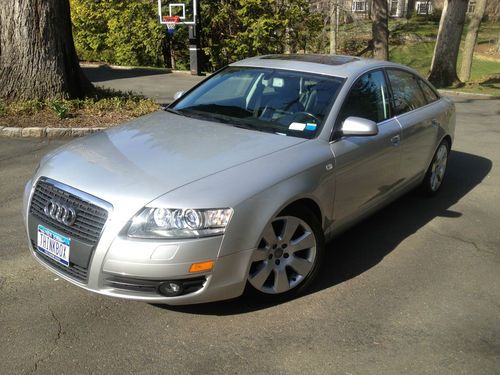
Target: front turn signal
{"type": "Point", "coordinates": [202, 266]}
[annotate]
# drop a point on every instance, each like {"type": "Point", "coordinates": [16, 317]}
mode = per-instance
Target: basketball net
{"type": "Point", "coordinates": [171, 22]}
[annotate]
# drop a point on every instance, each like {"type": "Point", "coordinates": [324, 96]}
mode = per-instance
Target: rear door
{"type": "Point", "coordinates": [419, 119]}
{"type": "Point", "coordinates": [366, 167]}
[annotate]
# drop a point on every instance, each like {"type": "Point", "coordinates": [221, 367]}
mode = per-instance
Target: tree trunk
{"type": "Point", "coordinates": [337, 20]}
{"type": "Point", "coordinates": [410, 9]}
{"type": "Point", "coordinates": [37, 54]}
{"type": "Point", "coordinates": [444, 62]}
{"type": "Point", "coordinates": [380, 30]}
{"type": "Point", "coordinates": [470, 40]}
{"type": "Point", "coordinates": [334, 26]}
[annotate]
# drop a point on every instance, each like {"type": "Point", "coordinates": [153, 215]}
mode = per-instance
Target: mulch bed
{"type": "Point", "coordinates": [75, 120]}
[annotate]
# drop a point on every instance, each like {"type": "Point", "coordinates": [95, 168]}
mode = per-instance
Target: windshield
{"type": "Point", "coordinates": [270, 100]}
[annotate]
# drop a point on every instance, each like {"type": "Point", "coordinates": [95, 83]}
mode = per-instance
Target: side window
{"type": "Point", "coordinates": [429, 93]}
{"type": "Point", "coordinates": [368, 99]}
{"type": "Point", "coordinates": [407, 94]}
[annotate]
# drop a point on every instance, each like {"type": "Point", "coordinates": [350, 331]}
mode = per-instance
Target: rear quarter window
{"type": "Point", "coordinates": [430, 94]}
{"type": "Point", "coordinates": [406, 92]}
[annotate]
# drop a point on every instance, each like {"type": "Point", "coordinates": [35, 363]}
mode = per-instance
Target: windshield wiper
{"type": "Point", "coordinates": [181, 113]}
{"type": "Point", "coordinates": [244, 125]}
{"type": "Point", "coordinates": [175, 111]}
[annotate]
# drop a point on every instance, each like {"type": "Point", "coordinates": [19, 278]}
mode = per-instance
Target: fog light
{"type": "Point", "coordinates": [171, 288]}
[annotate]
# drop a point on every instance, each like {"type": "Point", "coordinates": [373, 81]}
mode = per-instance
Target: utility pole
{"type": "Point", "coordinates": [195, 53]}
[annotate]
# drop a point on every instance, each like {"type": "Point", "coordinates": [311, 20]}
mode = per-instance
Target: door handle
{"type": "Point", "coordinates": [395, 140]}
{"type": "Point", "coordinates": [435, 123]}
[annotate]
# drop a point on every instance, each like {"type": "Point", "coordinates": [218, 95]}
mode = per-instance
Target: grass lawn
{"type": "Point", "coordinates": [419, 56]}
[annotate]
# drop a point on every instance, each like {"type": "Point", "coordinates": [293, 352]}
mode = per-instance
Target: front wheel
{"type": "Point", "coordinates": [288, 256]}
{"type": "Point", "coordinates": [437, 170]}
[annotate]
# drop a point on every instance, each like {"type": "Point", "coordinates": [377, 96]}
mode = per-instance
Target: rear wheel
{"type": "Point", "coordinates": [288, 256]}
{"type": "Point", "coordinates": [437, 170]}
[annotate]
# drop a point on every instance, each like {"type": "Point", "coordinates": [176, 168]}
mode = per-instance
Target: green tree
{"type": "Point", "coordinates": [120, 32]}
{"type": "Point", "coordinates": [303, 26]}
{"type": "Point", "coordinates": [380, 29]}
{"type": "Point", "coordinates": [236, 29]}
{"type": "Point", "coordinates": [128, 32]}
{"type": "Point", "coordinates": [444, 61]}
{"type": "Point", "coordinates": [90, 28]}
{"type": "Point", "coordinates": [471, 39]}
{"type": "Point", "coordinates": [220, 26]}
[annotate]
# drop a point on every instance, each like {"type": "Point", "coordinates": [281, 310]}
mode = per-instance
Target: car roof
{"type": "Point", "coordinates": [334, 65]}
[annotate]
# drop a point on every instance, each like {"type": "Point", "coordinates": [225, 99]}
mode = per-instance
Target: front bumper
{"type": "Point", "coordinates": [134, 269]}
{"type": "Point", "coordinates": [226, 281]}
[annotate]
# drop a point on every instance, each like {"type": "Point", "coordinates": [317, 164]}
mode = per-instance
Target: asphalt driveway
{"type": "Point", "coordinates": [413, 289]}
{"type": "Point", "coordinates": [157, 84]}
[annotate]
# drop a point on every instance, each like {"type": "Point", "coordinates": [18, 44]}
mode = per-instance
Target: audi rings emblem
{"type": "Point", "coordinates": [60, 213]}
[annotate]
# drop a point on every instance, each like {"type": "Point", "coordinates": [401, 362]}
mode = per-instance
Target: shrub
{"type": "Point", "coordinates": [60, 109]}
{"type": "Point", "coordinates": [117, 32]}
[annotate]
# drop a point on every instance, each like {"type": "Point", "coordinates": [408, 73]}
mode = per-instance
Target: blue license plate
{"type": "Point", "coordinates": [53, 245]}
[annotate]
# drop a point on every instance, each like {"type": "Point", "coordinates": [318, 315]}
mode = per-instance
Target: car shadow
{"type": "Point", "coordinates": [107, 73]}
{"type": "Point", "coordinates": [366, 244]}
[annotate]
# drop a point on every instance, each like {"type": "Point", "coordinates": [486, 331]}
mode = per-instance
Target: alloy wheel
{"type": "Point", "coordinates": [285, 256]}
{"type": "Point", "coordinates": [438, 167]}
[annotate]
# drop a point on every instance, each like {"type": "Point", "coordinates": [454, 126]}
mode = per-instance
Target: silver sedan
{"type": "Point", "coordinates": [238, 184]}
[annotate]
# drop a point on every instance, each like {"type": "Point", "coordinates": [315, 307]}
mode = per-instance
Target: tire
{"type": "Point", "coordinates": [288, 257]}
{"type": "Point", "coordinates": [436, 172]}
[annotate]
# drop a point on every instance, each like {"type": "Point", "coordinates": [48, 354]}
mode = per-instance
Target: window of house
{"type": "Point", "coordinates": [423, 7]}
{"type": "Point", "coordinates": [471, 7]}
{"type": "Point", "coordinates": [359, 6]}
{"type": "Point", "coordinates": [394, 8]}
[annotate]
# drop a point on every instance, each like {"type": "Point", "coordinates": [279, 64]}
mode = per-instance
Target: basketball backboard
{"type": "Point", "coordinates": [184, 9]}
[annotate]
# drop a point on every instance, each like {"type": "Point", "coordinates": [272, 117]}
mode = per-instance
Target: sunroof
{"type": "Point", "coordinates": [318, 59]}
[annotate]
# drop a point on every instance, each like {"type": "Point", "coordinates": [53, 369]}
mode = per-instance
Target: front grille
{"type": "Point", "coordinates": [90, 218]}
{"type": "Point", "coordinates": [77, 272]}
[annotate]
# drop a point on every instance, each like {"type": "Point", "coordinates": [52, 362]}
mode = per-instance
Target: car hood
{"type": "Point", "coordinates": [150, 156]}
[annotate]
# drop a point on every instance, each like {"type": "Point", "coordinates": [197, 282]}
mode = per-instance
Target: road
{"type": "Point", "coordinates": [414, 289]}
{"type": "Point", "coordinates": [157, 84]}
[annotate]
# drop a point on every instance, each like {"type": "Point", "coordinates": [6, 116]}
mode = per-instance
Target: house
{"type": "Point", "coordinates": [397, 8]}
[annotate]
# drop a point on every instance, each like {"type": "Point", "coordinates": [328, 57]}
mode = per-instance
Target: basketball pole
{"type": "Point", "coordinates": [195, 53]}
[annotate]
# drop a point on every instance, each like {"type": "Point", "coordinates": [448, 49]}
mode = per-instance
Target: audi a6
{"type": "Point", "coordinates": [237, 185]}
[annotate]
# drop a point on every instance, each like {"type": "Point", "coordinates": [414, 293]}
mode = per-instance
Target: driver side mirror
{"type": "Point", "coordinates": [178, 94]}
{"type": "Point", "coordinates": [358, 126]}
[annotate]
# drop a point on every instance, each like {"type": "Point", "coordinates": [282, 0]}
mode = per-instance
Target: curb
{"type": "Point", "coordinates": [13, 132]}
{"type": "Point", "coordinates": [121, 67]}
{"type": "Point", "coordinates": [461, 93]}
{"type": "Point", "coordinates": [129, 67]}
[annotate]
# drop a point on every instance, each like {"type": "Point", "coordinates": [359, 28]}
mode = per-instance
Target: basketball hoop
{"type": "Point", "coordinates": [171, 22]}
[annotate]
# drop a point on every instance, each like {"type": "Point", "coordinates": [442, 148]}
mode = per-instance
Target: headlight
{"type": "Point", "coordinates": [179, 223]}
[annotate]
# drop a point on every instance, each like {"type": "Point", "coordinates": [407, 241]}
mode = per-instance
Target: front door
{"type": "Point", "coordinates": [366, 167]}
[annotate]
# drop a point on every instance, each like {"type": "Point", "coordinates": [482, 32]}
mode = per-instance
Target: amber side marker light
{"type": "Point", "coordinates": [202, 266]}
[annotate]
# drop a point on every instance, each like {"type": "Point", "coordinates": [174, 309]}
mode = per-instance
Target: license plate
{"type": "Point", "coordinates": [53, 245]}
